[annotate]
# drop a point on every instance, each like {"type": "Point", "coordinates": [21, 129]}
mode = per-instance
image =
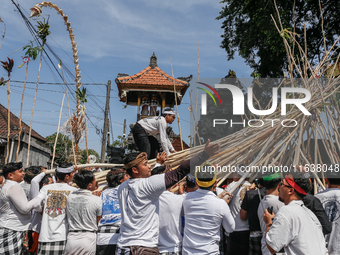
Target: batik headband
{"type": "Point", "coordinates": [139, 159]}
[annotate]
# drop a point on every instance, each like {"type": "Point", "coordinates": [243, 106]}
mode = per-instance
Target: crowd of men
{"type": "Point", "coordinates": [138, 212]}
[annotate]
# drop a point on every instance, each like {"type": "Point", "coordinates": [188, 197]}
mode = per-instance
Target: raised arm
{"type": "Point", "coordinates": [34, 191]}
{"type": "Point", "coordinates": [175, 176]}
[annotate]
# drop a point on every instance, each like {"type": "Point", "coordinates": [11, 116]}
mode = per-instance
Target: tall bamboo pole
{"type": "Point", "coordinates": [198, 79]}
{"type": "Point", "coordinates": [35, 11]}
{"type": "Point", "coordinates": [20, 123]}
{"type": "Point", "coordinates": [56, 137]}
{"type": "Point", "coordinates": [8, 116]}
{"type": "Point", "coordinates": [175, 94]}
{"type": "Point", "coordinates": [31, 122]}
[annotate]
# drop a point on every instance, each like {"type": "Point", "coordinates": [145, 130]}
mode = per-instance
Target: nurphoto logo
{"type": "Point", "coordinates": [238, 104]}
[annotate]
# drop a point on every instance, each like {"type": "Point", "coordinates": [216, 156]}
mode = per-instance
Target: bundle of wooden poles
{"type": "Point", "coordinates": [289, 146]}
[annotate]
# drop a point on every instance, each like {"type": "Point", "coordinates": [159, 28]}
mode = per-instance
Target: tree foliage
{"type": "Point", "coordinates": [31, 51]}
{"type": "Point", "coordinates": [250, 31]}
{"type": "Point", "coordinates": [63, 147]}
{"type": "Point", "coordinates": [118, 142]}
{"type": "Point", "coordinates": [83, 155]}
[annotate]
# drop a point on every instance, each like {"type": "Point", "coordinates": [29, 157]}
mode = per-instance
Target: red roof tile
{"type": "Point", "coordinates": [176, 143]}
{"type": "Point", "coordinates": [152, 76]}
{"type": "Point", "coordinates": [14, 126]}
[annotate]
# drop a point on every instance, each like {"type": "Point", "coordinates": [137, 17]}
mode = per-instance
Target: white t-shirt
{"type": "Point", "coordinates": [296, 229]}
{"type": "Point", "coordinates": [111, 217]}
{"type": "Point", "coordinates": [267, 201]}
{"type": "Point", "coordinates": [138, 201]}
{"type": "Point", "coordinates": [14, 207]}
{"type": "Point", "coordinates": [170, 222]}
{"type": "Point", "coordinates": [82, 210]}
{"type": "Point", "coordinates": [204, 213]}
{"type": "Point", "coordinates": [155, 125]}
{"type": "Point", "coordinates": [54, 225]}
{"type": "Point", "coordinates": [235, 205]}
{"type": "Point", "coordinates": [330, 199]}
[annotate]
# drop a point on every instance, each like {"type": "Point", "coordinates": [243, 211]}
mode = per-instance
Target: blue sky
{"type": "Point", "coordinates": [114, 37]}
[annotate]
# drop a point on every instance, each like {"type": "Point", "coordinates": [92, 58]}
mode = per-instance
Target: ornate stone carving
{"type": "Point", "coordinates": [153, 61]}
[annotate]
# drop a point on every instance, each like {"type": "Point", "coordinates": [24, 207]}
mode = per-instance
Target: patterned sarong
{"type": "Point", "coordinates": [52, 248]}
{"type": "Point", "coordinates": [11, 241]}
{"type": "Point", "coordinates": [137, 250]}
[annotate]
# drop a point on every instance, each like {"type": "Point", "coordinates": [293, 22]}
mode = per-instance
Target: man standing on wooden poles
{"type": "Point", "coordinates": [144, 130]}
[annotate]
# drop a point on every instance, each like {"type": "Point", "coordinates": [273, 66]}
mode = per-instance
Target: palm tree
{"type": "Point", "coordinates": [43, 32]}
{"type": "Point", "coordinates": [31, 53]}
{"type": "Point", "coordinates": [8, 65]}
{"type": "Point", "coordinates": [81, 94]}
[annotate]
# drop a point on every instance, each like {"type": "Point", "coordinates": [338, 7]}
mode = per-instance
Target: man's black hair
{"type": "Point", "coordinates": [272, 183]}
{"type": "Point", "coordinates": [205, 177]}
{"type": "Point", "coordinates": [191, 181]}
{"type": "Point", "coordinates": [332, 176]}
{"type": "Point", "coordinates": [83, 179]}
{"type": "Point", "coordinates": [44, 180]}
{"type": "Point", "coordinates": [158, 170]}
{"type": "Point", "coordinates": [127, 159]}
{"type": "Point", "coordinates": [31, 172]}
{"type": "Point", "coordinates": [114, 177]}
{"type": "Point", "coordinates": [11, 167]}
{"type": "Point", "coordinates": [65, 164]}
{"type": "Point", "coordinates": [302, 182]}
{"type": "Point", "coordinates": [334, 181]}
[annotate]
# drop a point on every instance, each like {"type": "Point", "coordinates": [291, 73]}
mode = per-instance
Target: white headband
{"type": "Point", "coordinates": [170, 112]}
{"type": "Point", "coordinates": [65, 170]}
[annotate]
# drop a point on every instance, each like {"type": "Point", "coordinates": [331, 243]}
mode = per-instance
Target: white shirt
{"type": "Point", "coordinates": [82, 210]}
{"type": "Point", "coordinates": [97, 170]}
{"type": "Point", "coordinates": [138, 201]}
{"type": "Point", "coordinates": [267, 201]}
{"type": "Point", "coordinates": [235, 205]}
{"type": "Point", "coordinates": [330, 199]}
{"type": "Point", "coordinates": [170, 222]}
{"type": "Point", "coordinates": [34, 191]}
{"type": "Point", "coordinates": [155, 125]}
{"type": "Point", "coordinates": [204, 213]}
{"type": "Point", "coordinates": [111, 217]}
{"type": "Point", "coordinates": [296, 229]}
{"type": "Point", "coordinates": [54, 225]}
{"type": "Point", "coordinates": [14, 207]}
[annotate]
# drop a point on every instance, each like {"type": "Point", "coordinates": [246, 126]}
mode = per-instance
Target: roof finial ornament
{"type": "Point", "coordinates": [153, 61]}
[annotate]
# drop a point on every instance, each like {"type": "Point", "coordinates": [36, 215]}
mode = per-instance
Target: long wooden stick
{"type": "Point", "coordinates": [8, 116]}
{"type": "Point", "coordinates": [56, 137]}
{"type": "Point", "coordinates": [20, 122]}
{"type": "Point", "coordinates": [31, 123]}
{"type": "Point", "coordinates": [175, 94]}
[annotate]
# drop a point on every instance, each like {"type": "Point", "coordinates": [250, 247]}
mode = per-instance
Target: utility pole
{"type": "Point", "coordinates": [106, 122]}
